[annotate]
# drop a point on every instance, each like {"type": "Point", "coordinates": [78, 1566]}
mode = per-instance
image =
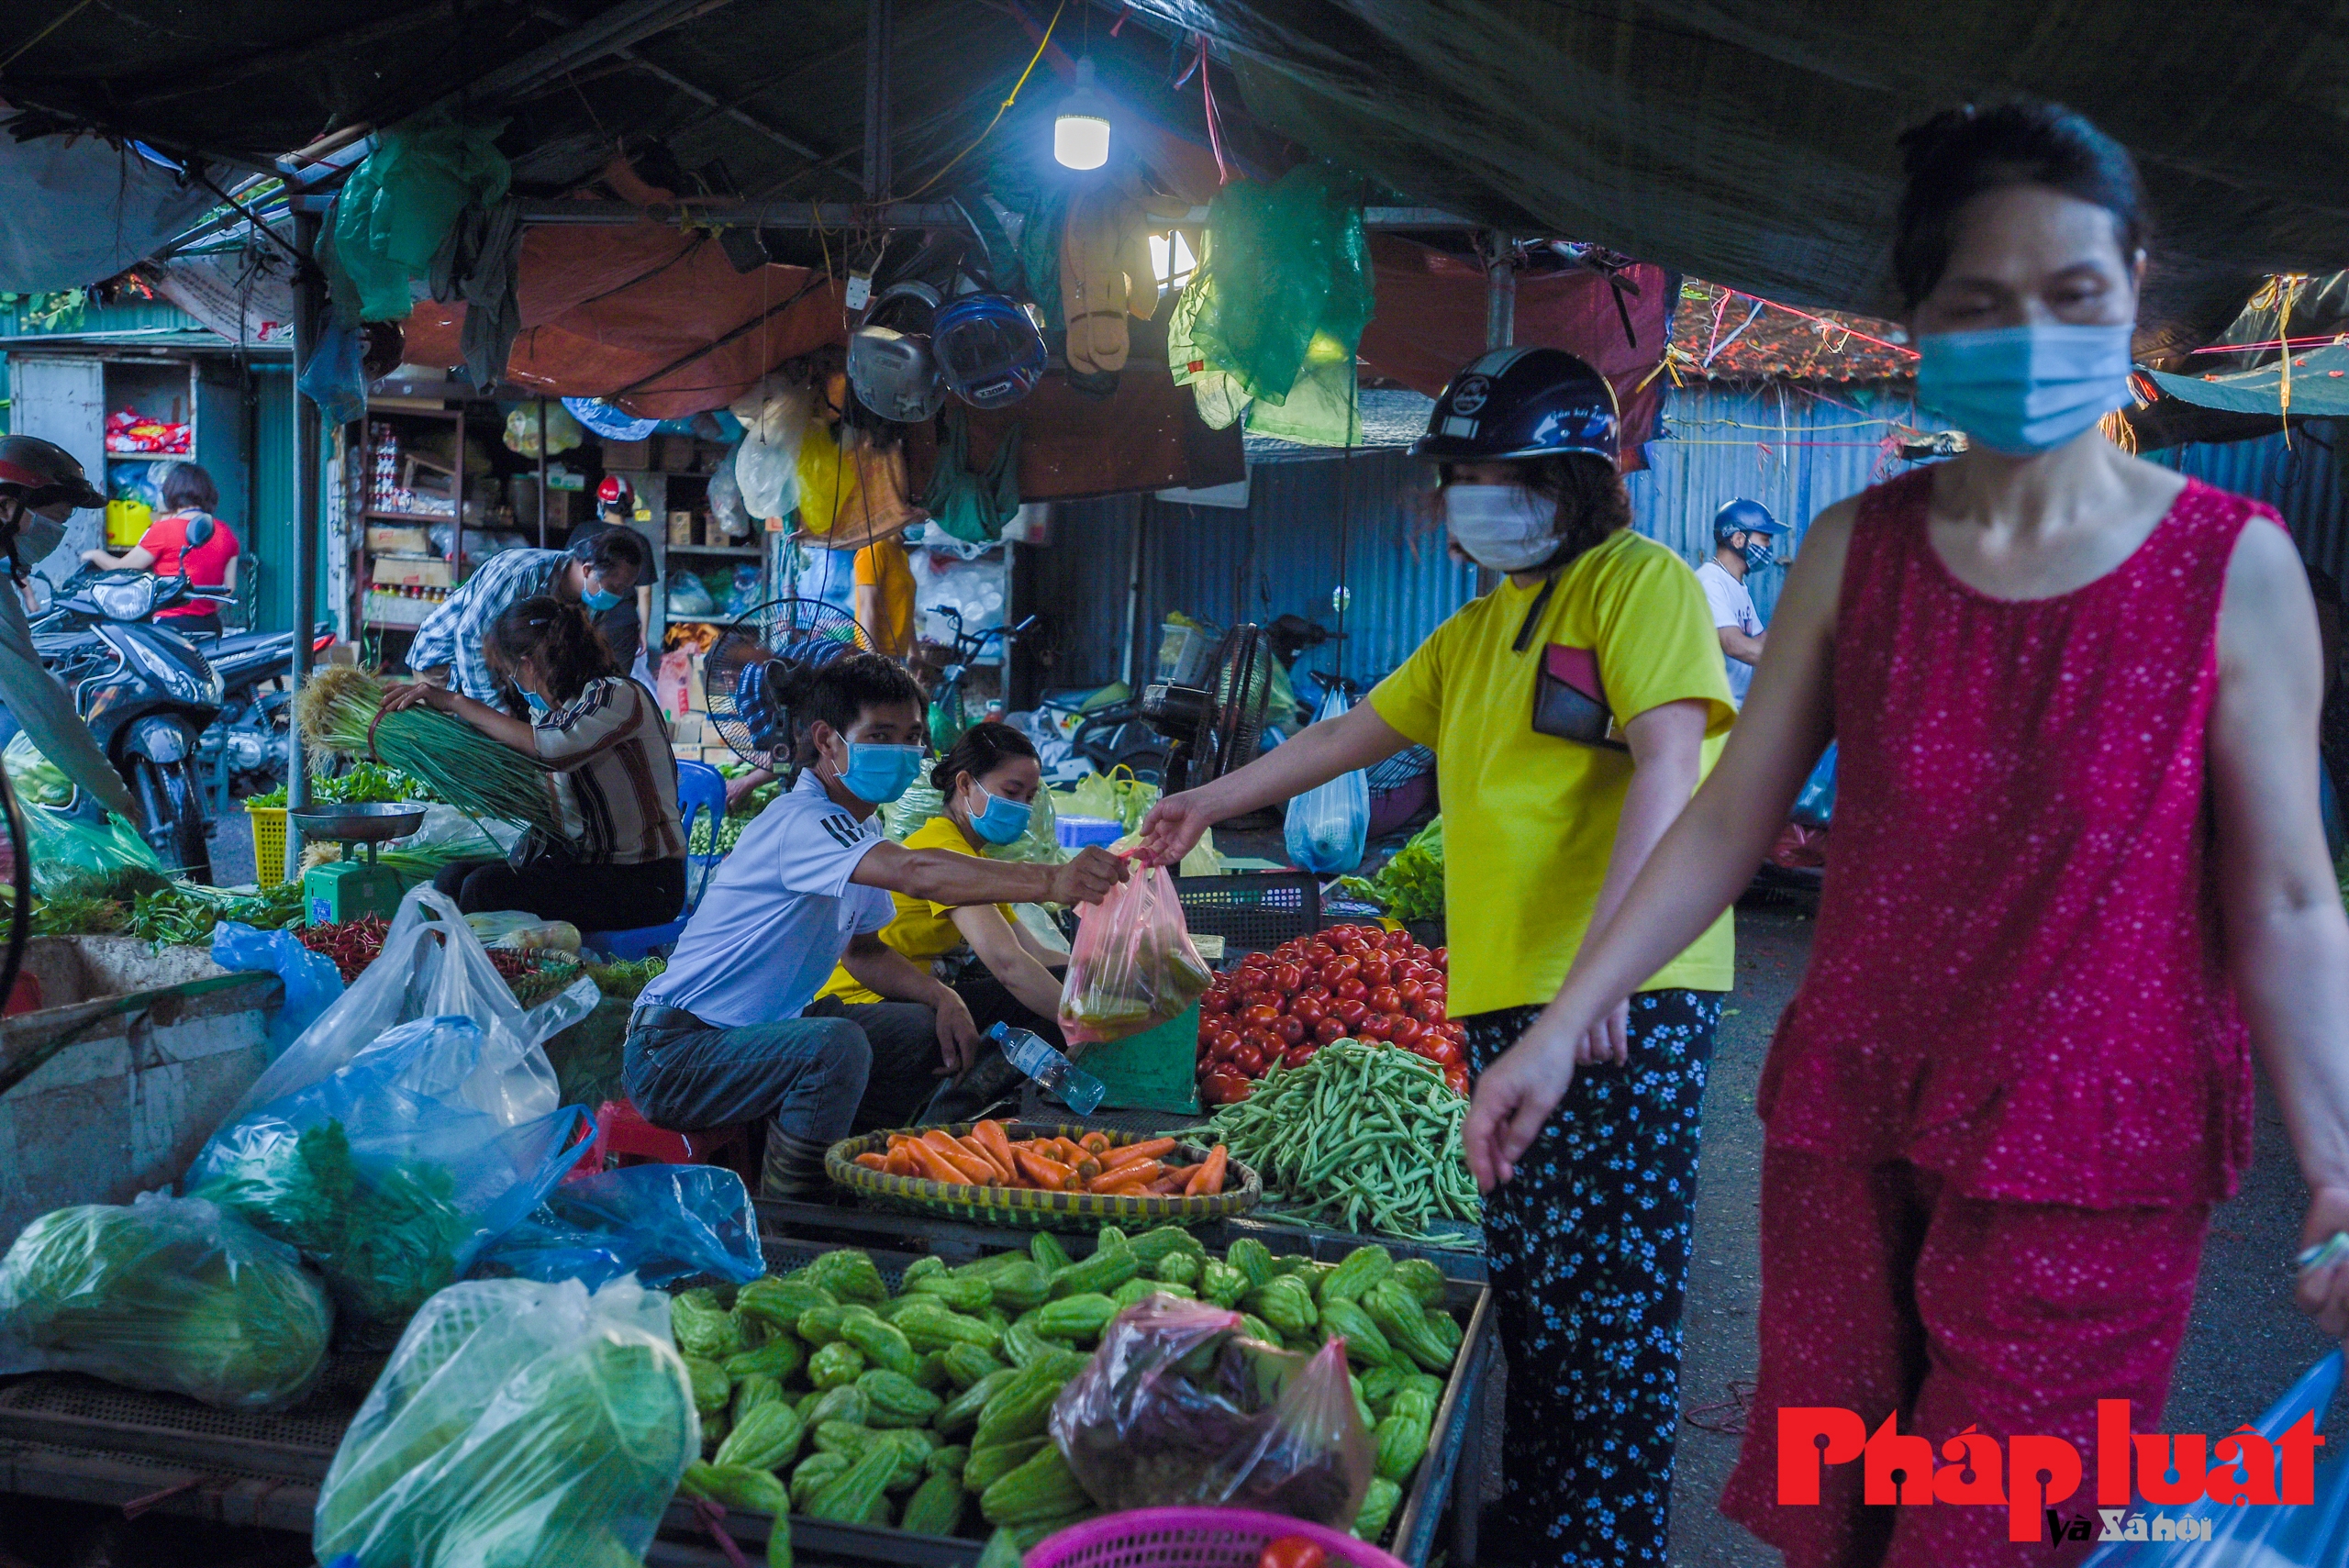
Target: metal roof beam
{"type": "Point", "coordinates": [895, 215]}
{"type": "Point", "coordinates": [608, 33]}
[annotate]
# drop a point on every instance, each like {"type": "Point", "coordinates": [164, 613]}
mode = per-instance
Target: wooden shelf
{"type": "Point", "coordinates": [427, 517]}
{"type": "Point", "coordinates": [739, 551]}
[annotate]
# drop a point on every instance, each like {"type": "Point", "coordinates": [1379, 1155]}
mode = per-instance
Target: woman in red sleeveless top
{"type": "Point", "coordinates": [2077, 875]}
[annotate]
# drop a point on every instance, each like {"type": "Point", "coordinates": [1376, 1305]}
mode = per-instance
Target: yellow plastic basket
{"type": "Point", "coordinates": [268, 844]}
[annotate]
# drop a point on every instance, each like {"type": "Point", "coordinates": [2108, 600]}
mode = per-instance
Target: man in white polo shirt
{"type": "Point", "coordinates": [1745, 537]}
{"type": "Point", "coordinates": [730, 1032]}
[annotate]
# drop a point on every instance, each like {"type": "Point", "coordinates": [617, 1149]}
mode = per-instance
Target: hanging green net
{"type": "Point", "coordinates": [399, 205]}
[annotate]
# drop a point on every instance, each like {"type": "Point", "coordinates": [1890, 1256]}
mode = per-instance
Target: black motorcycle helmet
{"type": "Point", "coordinates": [1522, 403]}
{"type": "Point", "coordinates": [41, 473]}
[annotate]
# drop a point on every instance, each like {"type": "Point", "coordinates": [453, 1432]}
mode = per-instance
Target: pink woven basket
{"type": "Point", "coordinates": [1192, 1537]}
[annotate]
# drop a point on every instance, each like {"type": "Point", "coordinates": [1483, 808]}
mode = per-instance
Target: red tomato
{"type": "Point", "coordinates": [1248, 1061]}
{"type": "Point", "coordinates": [1377, 1026]}
{"type": "Point", "coordinates": [1411, 991]}
{"type": "Point", "coordinates": [1436, 994]}
{"type": "Point", "coordinates": [1443, 958]}
{"type": "Point", "coordinates": [1292, 1552]}
{"type": "Point", "coordinates": [1227, 1041]}
{"type": "Point", "coordinates": [1307, 1010]}
{"type": "Point", "coordinates": [1384, 999]}
{"type": "Point", "coordinates": [1287, 979]}
{"type": "Point", "coordinates": [1342, 968]}
{"type": "Point", "coordinates": [1377, 971]}
{"type": "Point", "coordinates": [1457, 1076]}
{"type": "Point", "coordinates": [1298, 1055]}
{"type": "Point", "coordinates": [1400, 942]}
{"type": "Point", "coordinates": [1256, 961]}
{"type": "Point", "coordinates": [1350, 1013]}
{"type": "Point", "coordinates": [1261, 1015]}
{"type": "Point", "coordinates": [1291, 1030]}
{"type": "Point", "coordinates": [1447, 1054]}
{"type": "Point", "coordinates": [1428, 1011]}
{"type": "Point", "coordinates": [1349, 990]}
{"type": "Point", "coordinates": [1216, 1004]}
{"type": "Point", "coordinates": [1405, 1031]}
{"type": "Point", "coordinates": [1327, 1030]}
{"type": "Point", "coordinates": [1224, 1087]}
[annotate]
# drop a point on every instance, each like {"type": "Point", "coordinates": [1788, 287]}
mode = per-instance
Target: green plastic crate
{"type": "Point", "coordinates": [1153, 1071]}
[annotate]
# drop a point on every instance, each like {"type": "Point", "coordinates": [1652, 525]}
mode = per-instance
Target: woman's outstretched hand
{"type": "Point", "coordinates": [1514, 1099]}
{"type": "Point", "coordinates": [1173, 826]}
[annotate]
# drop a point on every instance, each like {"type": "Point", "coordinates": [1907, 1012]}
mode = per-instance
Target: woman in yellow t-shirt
{"type": "Point", "coordinates": [1572, 711]}
{"type": "Point", "coordinates": [884, 597]}
{"type": "Point", "coordinates": [989, 780]}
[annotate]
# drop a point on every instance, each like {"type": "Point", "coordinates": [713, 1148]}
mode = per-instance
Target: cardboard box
{"type": "Point", "coordinates": [717, 756]}
{"type": "Point", "coordinates": [636, 455]}
{"type": "Point", "coordinates": [696, 688]}
{"type": "Point", "coordinates": [387, 538]}
{"type": "Point", "coordinates": [678, 454]}
{"type": "Point", "coordinates": [681, 529]}
{"type": "Point", "coordinates": [686, 730]}
{"type": "Point", "coordinates": [413, 571]}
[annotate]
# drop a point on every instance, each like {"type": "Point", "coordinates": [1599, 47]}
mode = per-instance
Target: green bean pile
{"type": "Point", "coordinates": [1347, 1138]}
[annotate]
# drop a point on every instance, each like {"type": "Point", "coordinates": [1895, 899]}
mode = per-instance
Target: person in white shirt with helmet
{"type": "Point", "coordinates": [1744, 540]}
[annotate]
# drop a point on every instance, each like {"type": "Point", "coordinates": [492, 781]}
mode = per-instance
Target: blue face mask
{"type": "Point", "coordinates": [2024, 390]}
{"type": "Point", "coordinates": [599, 600]}
{"type": "Point", "coordinates": [540, 707]}
{"type": "Point", "coordinates": [1003, 821]}
{"type": "Point", "coordinates": [1759, 552]}
{"type": "Point", "coordinates": [880, 773]}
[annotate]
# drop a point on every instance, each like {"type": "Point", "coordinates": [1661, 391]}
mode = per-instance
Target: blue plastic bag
{"type": "Point", "coordinates": [382, 1174]}
{"type": "Point", "coordinates": [661, 1223]}
{"type": "Point", "coordinates": [1816, 804]}
{"type": "Point", "coordinates": [1327, 823]}
{"type": "Point", "coordinates": [2307, 1535]}
{"type": "Point", "coordinates": [312, 982]}
{"type": "Point", "coordinates": [335, 377]}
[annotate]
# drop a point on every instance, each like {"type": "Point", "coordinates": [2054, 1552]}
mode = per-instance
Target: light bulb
{"type": "Point", "coordinates": [1081, 133]}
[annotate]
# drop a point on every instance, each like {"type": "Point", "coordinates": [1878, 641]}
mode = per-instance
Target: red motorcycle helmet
{"type": "Point", "coordinates": [615, 494]}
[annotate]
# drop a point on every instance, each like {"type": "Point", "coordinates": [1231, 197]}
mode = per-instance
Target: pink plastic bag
{"type": "Point", "coordinates": [1132, 965]}
{"type": "Point", "coordinates": [1179, 1408]}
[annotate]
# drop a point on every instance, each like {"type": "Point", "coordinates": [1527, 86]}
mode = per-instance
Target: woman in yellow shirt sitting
{"type": "Point", "coordinates": [989, 780]}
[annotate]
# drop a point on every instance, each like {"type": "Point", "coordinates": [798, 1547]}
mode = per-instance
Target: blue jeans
{"type": "Point", "coordinates": [832, 1071]}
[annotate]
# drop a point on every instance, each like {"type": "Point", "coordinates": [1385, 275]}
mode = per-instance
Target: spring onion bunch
{"type": "Point", "coordinates": [338, 711]}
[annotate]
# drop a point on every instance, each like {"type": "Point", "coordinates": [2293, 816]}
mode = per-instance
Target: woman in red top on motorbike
{"type": "Point", "coordinates": [2077, 875]}
{"type": "Point", "coordinates": [186, 538]}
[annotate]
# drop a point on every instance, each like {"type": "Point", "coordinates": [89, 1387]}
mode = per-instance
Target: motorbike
{"type": "Point", "coordinates": [244, 749]}
{"type": "Point", "coordinates": [147, 693]}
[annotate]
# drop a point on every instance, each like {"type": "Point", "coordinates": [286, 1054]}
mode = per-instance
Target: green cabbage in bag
{"type": "Point", "coordinates": [167, 1294]}
{"type": "Point", "coordinates": [517, 1424]}
{"type": "Point", "coordinates": [33, 777]}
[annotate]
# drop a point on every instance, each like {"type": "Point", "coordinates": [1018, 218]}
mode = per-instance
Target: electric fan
{"type": "Point", "coordinates": [1218, 724]}
{"type": "Point", "coordinates": [743, 672]}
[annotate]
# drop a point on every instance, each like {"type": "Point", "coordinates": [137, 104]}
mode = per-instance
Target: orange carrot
{"type": "Point", "coordinates": [1168, 1185]}
{"type": "Point", "coordinates": [1116, 1184]}
{"type": "Point", "coordinates": [1050, 1174]}
{"type": "Point", "coordinates": [928, 1163]}
{"type": "Point", "coordinates": [1140, 1174]}
{"type": "Point", "coordinates": [990, 1133]}
{"type": "Point", "coordinates": [986, 1156]}
{"type": "Point", "coordinates": [1069, 1150]}
{"type": "Point", "coordinates": [899, 1162]}
{"type": "Point", "coordinates": [873, 1161]}
{"type": "Point", "coordinates": [1095, 1142]}
{"type": "Point", "coordinates": [1149, 1148]}
{"type": "Point", "coordinates": [1088, 1167]}
{"type": "Point", "coordinates": [1208, 1180]}
{"type": "Point", "coordinates": [956, 1158]}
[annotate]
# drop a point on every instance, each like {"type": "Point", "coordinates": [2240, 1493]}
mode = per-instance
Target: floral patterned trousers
{"type": "Point", "coordinates": [1588, 1248]}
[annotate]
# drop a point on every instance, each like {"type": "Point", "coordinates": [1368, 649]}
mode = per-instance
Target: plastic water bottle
{"type": "Point", "coordinates": [1034, 1055]}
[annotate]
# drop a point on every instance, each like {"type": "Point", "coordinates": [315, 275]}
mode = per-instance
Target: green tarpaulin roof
{"type": "Point", "coordinates": [2317, 386]}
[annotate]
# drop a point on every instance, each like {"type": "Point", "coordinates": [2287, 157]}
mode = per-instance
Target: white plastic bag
{"type": "Point", "coordinates": [516, 1423]}
{"type": "Point", "coordinates": [1327, 823]}
{"type": "Point", "coordinates": [766, 465]}
{"type": "Point", "coordinates": [446, 826]}
{"type": "Point", "coordinates": [725, 509]}
{"type": "Point", "coordinates": [431, 966]}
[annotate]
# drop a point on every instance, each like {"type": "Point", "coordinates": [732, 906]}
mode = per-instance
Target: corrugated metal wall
{"type": "Point", "coordinates": [270, 531]}
{"type": "Point", "coordinates": [2303, 481]}
{"type": "Point", "coordinates": [1795, 452]}
{"type": "Point", "coordinates": [1310, 525]}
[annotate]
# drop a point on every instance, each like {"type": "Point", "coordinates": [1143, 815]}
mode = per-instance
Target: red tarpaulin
{"type": "Point", "coordinates": [606, 309]}
{"type": "Point", "coordinates": [1431, 321]}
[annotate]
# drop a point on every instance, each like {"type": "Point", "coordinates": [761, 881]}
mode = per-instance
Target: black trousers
{"type": "Point", "coordinates": [593, 897]}
{"type": "Point", "coordinates": [991, 1003]}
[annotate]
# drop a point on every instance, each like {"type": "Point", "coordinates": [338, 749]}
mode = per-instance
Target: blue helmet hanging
{"type": "Point", "coordinates": [989, 350]}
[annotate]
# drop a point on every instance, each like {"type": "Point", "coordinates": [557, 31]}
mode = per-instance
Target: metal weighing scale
{"type": "Point", "coordinates": [349, 889]}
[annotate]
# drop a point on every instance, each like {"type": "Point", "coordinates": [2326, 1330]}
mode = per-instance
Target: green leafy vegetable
{"type": "Point", "coordinates": [166, 1294]}
{"type": "Point", "coordinates": [366, 783]}
{"type": "Point", "coordinates": [1410, 887]}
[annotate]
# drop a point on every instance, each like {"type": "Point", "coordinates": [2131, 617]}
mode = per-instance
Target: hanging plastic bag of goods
{"type": "Point", "coordinates": [1132, 965]}
{"type": "Point", "coordinates": [1327, 823]}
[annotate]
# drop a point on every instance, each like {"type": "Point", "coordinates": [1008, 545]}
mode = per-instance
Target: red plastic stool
{"type": "Point", "coordinates": [630, 1140]}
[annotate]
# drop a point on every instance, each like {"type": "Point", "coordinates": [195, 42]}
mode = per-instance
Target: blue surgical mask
{"type": "Point", "coordinates": [1003, 821]}
{"type": "Point", "coordinates": [2024, 390]}
{"type": "Point", "coordinates": [599, 600]}
{"type": "Point", "coordinates": [880, 773]}
{"type": "Point", "coordinates": [540, 707]}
